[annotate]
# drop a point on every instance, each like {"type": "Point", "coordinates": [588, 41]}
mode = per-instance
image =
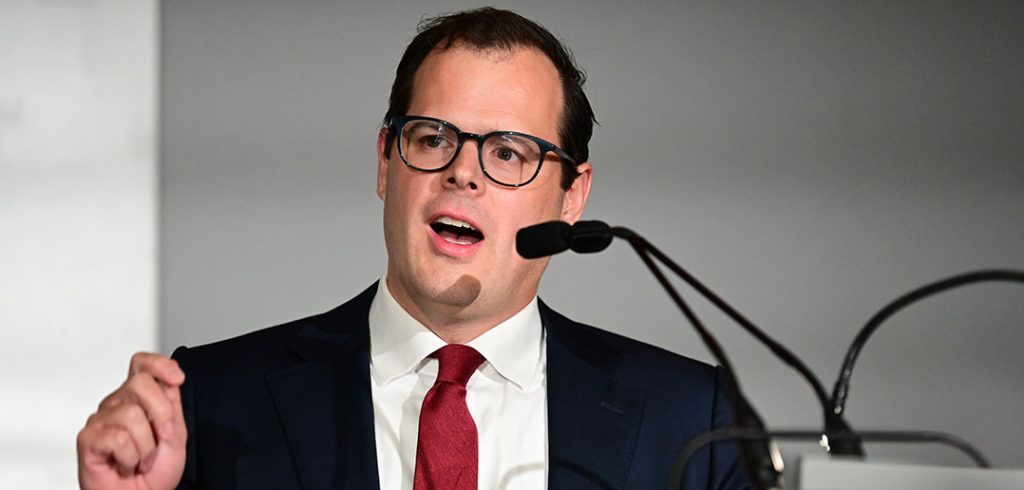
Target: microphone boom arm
{"type": "Point", "coordinates": [763, 462]}
{"type": "Point", "coordinates": [842, 387]}
{"type": "Point", "coordinates": [836, 427]}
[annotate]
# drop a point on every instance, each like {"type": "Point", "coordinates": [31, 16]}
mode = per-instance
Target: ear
{"type": "Point", "coordinates": [382, 163]}
{"type": "Point", "coordinates": [575, 198]}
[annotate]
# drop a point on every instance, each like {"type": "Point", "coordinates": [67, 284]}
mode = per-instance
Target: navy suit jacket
{"type": "Point", "coordinates": [290, 407]}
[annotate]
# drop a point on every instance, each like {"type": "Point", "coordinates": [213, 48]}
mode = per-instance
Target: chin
{"type": "Point", "coordinates": [461, 293]}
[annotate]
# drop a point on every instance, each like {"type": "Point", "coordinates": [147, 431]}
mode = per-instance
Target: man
{"type": "Point", "coordinates": [448, 373]}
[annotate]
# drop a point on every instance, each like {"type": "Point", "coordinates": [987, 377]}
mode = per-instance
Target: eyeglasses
{"type": "Point", "coordinates": [508, 158]}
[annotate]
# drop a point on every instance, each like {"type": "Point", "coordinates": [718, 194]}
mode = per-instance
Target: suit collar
{"type": "Point", "coordinates": [593, 418]}
{"type": "Point", "coordinates": [340, 330]}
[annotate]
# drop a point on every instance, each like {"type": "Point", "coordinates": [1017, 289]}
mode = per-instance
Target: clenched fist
{"type": "Point", "coordinates": [136, 438]}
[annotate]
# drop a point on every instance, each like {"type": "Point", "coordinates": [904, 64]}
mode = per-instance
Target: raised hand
{"type": "Point", "coordinates": [136, 438]}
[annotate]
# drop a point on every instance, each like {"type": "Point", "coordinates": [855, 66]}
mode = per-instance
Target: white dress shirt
{"type": "Point", "coordinates": [506, 396]}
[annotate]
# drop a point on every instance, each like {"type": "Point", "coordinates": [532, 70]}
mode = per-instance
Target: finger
{"type": "Point", "coordinates": [112, 400]}
{"type": "Point", "coordinates": [152, 397]}
{"type": "Point", "coordinates": [131, 418]}
{"type": "Point", "coordinates": [110, 446]}
{"type": "Point", "coordinates": [144, 387]}
{"type": "Point", "coordinates": [163, 368]}
{"type": "Point", "coordinates": [179, 432]}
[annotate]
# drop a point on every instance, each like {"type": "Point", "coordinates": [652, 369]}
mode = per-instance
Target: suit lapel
{"type": "Point", "coordinates": [593, 419]}
{"type": "Point", "coordinates": [326, 409]}
{"type": "Point", "coordinates": [325, 404]}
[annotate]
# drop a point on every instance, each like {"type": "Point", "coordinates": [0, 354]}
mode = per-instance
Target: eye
{"type": "Point", "coordinates": [507, 154]}
{"type": "Point", "coordinates": [429, 137]}
{"type": "Point", "coordinates": [433, 141]}
{"type": "Point", "coordinates": [510, 150]}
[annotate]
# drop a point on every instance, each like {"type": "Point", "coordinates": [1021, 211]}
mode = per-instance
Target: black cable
{"type": "Point", "coordinates": [705, 335]}
{"type": "Point", "coordinates": [757, 459]}
{"type": "Point", "coordinates": [842, 387]}
{"type": "Point", "coordinates": [834, 423]}
{"type": "Point", "coordinates": [778, 349]}
{"type": "Point", "coordinates": [749, 425]}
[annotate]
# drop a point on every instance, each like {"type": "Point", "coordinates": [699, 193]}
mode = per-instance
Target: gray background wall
{"type": "Point", "coordinates": [809, 161]}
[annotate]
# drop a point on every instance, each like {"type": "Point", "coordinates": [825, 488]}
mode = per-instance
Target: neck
{"type": "Point", "coordinates": [456, 323]}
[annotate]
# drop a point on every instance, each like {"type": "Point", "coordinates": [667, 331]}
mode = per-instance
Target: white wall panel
{"type": "Point", "coordinates": [77, 220]}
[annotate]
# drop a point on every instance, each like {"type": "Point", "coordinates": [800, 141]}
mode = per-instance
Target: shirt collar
{"type": "Point", "coordinates": [399, 343]}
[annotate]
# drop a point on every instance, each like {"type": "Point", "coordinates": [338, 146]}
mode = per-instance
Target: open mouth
{"type": "Point", "coordinates": [456, 231]}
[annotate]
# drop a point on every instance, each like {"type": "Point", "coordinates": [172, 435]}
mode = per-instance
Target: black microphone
{"type": "Point", "coordinates": [554, 237]}
{"type": "Point", "coordinates": [589, 237]}
{"type": "Point", "coordinates": [550, 238]}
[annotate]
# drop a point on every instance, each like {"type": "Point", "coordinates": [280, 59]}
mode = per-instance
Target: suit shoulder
{"type": "Point", "coordinates": [258, 342]}
{"type": "Point", "coordinates": [250, 353]}
{"type": "Point", "coordinates": [652, 356]}
{"type": "Point", "coordinates": [274, 347]}
{"type": "Point", "coordinates": [634, 358]}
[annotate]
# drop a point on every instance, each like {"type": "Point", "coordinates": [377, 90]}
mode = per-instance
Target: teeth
{"type": "Point", "coordinates": [454, 222]}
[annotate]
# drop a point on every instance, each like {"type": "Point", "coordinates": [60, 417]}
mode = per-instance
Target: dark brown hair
{"type": "Point", "coordinates": [489, 28]}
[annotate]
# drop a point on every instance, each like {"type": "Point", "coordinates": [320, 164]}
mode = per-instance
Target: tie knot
{"type": "Point", "coordinates": [456, 363]}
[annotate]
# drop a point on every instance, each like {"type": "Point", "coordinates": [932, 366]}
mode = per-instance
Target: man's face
{"type": "Point", "coordinates": [441, 278]}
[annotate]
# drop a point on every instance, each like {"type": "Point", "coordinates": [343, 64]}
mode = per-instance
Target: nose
{"type": "Point", "coordinates": [465, 171]}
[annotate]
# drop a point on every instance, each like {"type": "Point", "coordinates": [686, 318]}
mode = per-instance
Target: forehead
{"type": "Point", "coordinates": [487, 90]}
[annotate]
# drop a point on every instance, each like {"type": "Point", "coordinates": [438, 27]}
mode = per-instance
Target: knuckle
{"type": "Point", "coordinates": [121, 438]}
{"type": "Point", "coordinates": [133, 384]}
{"type": "Point", "coordinates": [84, 438]}
{"type": "Point", "coordinates": [138, 359]}
{"type": "Point", "coordinates": [112, 400]}
{"type": "Point", "coordinates": [134, 414]}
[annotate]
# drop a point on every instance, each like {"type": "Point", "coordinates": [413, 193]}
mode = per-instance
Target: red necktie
{"type": "Point", "coordinates": [446, 451]}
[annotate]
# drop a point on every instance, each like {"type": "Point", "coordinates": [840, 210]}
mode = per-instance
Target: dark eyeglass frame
{"type": "Point", "coordinates": [397, 123]}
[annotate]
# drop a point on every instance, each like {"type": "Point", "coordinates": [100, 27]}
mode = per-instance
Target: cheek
{"type": "Point", "coordinates": [551, 207]}
{"type": "Point", "coordinates": [397, 215]}
{"type": "Point", "coordinates": [545, 200]}
{"type": "Point", "coordinates": [391, 226]}
{"type": "Point", "coordinates": [400, 199]}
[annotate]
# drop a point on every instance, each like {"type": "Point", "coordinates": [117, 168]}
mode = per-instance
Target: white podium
{"type": "Point", "coordinates": [818, 472]}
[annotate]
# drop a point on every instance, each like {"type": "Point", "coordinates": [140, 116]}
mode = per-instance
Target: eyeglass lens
{"type": "Point", "coordinates": [507, 158]}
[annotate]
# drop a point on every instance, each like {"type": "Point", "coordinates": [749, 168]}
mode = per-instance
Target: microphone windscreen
{"type": "Point", "coordinates": [589, 237]}
{"type": "Point", "coordinates": [542, 240]}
